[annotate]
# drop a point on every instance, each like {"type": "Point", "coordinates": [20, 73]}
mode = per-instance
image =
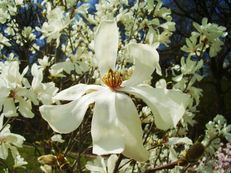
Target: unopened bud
{"type": "Point", "coordinates": [195, 152]}
{"type": "Point", "coordinates": [48, 159]}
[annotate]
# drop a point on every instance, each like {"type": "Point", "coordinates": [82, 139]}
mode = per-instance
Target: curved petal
{"type": "Point", "coordinates": [116, 128]}
{"type": "Point", "coordinates": [106, 45]}
{"type": "Point", "coordinates": [111, 163]}
{"type": "Point", "coordinates": [76, 91]}
{"type": "Point", "coordinates": [66, 118]}
{"type": "Point", "coordinates": [106, 135]}
{"type": "Point", "coordinates": [25, 108]}
{"type": "Point", "coordinates": [4, 151]}
{"type": "Point", "coordinates": [15, 139]}
{"type": "Point", "coordinates": [9, 108]}
{"type": "Point", "coordinates": [1, 121]}
{"type": "Point", "coordinates": [37, 76]}
{"type": "Point", "coordinates": [5, 91]}
{"type": "Point", "coordinates": [168, 106]}
{"type": "Point", "coordinates": [146, 60]}
{"type": "Point", "coordinates": [130, 126]}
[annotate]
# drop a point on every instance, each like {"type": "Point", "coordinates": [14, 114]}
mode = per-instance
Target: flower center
{"type": "Point", "coordinates": [112, 79]}
{"type": "Point", "coordinates": [12, 94]}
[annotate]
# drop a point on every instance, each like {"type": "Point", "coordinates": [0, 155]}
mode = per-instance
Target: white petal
{"type": "Point", "coordinates": [130, 126]}
{"type": "Point", "coordinates": [37, 76]}
{"type": "Point", "coordinates": [3, 151]}
{"type": "Point", "coordinates": [4, 92]}
{"type": "Point", "coordinates": [19, 141]}
{"type": "Point", "coordinates": [111, 162]}
{"type": "Point", "coordinates": [25, 108]}
{"type": "Point", "coordinates": [168, 106]}
{"type": "Point", "coordinates": [116, 128]}
{"type": "Point", "coordinates": [14, 151]}
{"type": "Point", "coordinates": [3, 88]}
{"type": "Point", "coordinates": [1, 121]}
{"type": "Point", "coordinates": [106, 45]}
{"type": "Point", "coordinates": [66, 118]}
{"type": "Point", "coordinates": [94, 168]}
{"type": "Point", "coordinates": [76, 91]}
{"type": "Point", "coordinates": [106, 135]}
{"type": "Point", "coordinates": [15, 139]}
{"type": "Point", "coordinates": [9, 109]}
{"type": "Point", "coordinates": [146, 60]}
{"type": "Point", "coordinates": [6, 129]}
{"type": "Point", "coordinates": [66, 66]}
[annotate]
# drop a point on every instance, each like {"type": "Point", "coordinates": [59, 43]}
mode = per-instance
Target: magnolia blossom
{"type": "Point", "coordinates": [8, 141]}
{"type": "Point", "coordinates": [13, 89]}
{"type": "Point", "coordinates": [99, 165]}
{"type": "Point", "coordinates": [211, 35]}
{"type": "Point", "coordinates": [116, 127]}
{"type": "Point", "coordinates": [19, 161]}
{"type": "Point", "coordinates": [57, 21]}
{"type": "Point", "coordinates": [41, 91]}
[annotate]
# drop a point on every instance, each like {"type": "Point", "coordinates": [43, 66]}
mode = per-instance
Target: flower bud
{"type": "Point", "coordinates": [48, 159]}
{"type": "Point", "coordinates": [194, 152]}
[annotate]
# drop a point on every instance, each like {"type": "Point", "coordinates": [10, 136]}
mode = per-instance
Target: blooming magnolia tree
{"type": "Point", "coordinates": [83, 85]}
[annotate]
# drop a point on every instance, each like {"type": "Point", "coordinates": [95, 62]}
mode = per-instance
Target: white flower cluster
{"type": "Point", "coordinates": [7, 10]}
{"type": "Point", "coordinates": [17, 94]}
{"type": "Point", "coordinates": [14, 90]}
{"type": "Point", "coordinates": [207, 36]}
{"type": "Point", "coordinates": [10, 141]}
{"type": "Point", "coordinates": [216, 129]}
{"type": "Point", "coordinates": [57, 21]}
{"type": "Point", "coordinates": [145, 21]}
{"type": "Point", "coordinates": [100, 165]}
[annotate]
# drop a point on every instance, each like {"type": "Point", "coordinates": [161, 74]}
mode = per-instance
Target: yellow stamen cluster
{"type": "Point", "coordinates": [12, 94]}
{"type": "Point", "coordinates": [112, 79]}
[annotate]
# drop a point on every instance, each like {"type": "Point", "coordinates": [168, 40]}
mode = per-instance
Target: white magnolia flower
{"type": "Point", "coordinates": [41, 91]}
{"type": "Point", "coordinates": [19, 161]}
{"type": "Point", "coordinates": [116, 127]}
{"type": "Point", "coordinates": [45, 62]}
{"type": "Point", "coordinates": [215, 131]}
{"type": "Point", "coordinates": [211, 35]}
{"type": "Point", "coordinates": [13, 89]}
{"type": "Point", "coordinates": [99, 165]}
{"type": "Point", "coordinates": [9, 140]}
{"type": "Point", "coordinates": [192, 45]}
{"type": "Point", "coordinates": [57, 21]}
{"type": "Point", "coordinates": [27, 33]}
